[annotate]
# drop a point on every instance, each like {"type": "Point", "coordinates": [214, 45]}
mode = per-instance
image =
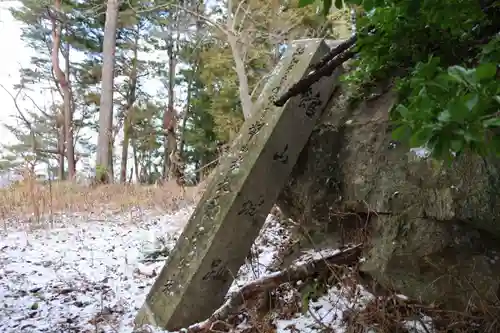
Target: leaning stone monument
{"type": "Point", "coordinates": [229, 216]}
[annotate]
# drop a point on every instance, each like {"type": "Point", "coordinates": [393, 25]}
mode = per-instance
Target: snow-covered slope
{"type": "Point", "coordinates": [88, 273]}
{"type": "Point", "coordinates": [60, 279]}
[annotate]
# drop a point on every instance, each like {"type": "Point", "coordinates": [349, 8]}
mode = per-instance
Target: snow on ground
{"type": "Point", "coordinates": [264, 253]}
{"type": "Point", "coordinates": [326, 312]}
{"type": "Point", "coordinates": [87, 273]}
{"type": "Point", "coordinates": [59, 279]}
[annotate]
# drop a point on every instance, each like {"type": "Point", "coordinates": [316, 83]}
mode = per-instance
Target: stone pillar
{"type": "Point", "coordinates": [246, 184]}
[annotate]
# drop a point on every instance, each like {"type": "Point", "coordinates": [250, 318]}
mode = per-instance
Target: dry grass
{"type": "Point", "coordinates": [30, 197]}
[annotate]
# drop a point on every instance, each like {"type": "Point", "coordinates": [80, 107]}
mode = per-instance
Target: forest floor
{"type": "Point", "coordinates": [91, 271]}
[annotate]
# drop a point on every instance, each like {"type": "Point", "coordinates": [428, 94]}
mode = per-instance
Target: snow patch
{"type": "Point", "coordinates": [81, 277]}
{"type": "Point", "coordinates": [91, 272]}
{"type": "Point", "coordinates": [264, 251]}
{"type": "Point", "coordinates": [325, 313]}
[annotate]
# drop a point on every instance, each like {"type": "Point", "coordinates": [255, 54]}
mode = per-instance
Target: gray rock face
{"type": "Point", "coordinates": [434, 233]}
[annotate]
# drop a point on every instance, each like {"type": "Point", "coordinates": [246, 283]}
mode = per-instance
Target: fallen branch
{"type": "Point", "coordinates": [302, 85]}
{"type": "Point", "coordinates": [344, 46]}
{"type": "Point", "coordinates": [294, 273]}
{"type": "Point", "coordinates": [325, 67]}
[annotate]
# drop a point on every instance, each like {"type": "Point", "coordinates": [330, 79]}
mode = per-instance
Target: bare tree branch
{"type": "Point", "coordinates": [232, 39]}
{"type": "Point", "coordinates": [220, 27]}
{"type": "Point", "coordinates": [247, 10]}
{"type": "Point", "coordinates": [42, 111]}
{"type": "Point", "coordinates": [18, 108]}
{"type": "Point", "coordinates": [325, 67]}
{"type": "Point", "coordinates": [237, 299]}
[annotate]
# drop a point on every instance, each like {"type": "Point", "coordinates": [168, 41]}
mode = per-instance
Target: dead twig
{"type": "Point", "coordinates": [344, 46]}
{"type": "Point", "coordinates": [302, 85]}
{"type": "Point", "coordinates": [325, 67]}
{"type": "Point", "coordinates": [294, 273]}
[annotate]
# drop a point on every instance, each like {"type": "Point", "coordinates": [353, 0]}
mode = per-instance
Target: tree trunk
{"type": "Point", "coordinates": [61, 168]}
{"type": "Point", "coordinates": [131, 175]}
{"type": "Point", "coordinates": [68, 120]}
{"type": "Point", "coordinates": [239, 64]}
{"type": "Point", "coordinates": [104, 141]}
{"type": "Point", "coordinates": [199, 26]}
{"type": "Point", "coordinates": [170, 117]}
{"type": "Point", "coordinates": [136, 161]}
{"type": "Point", "coordinates": [60, 148]}
{"type": "Point", "coordinates": [64, 84]}
{"type": "Point", "coordinates": [244, 90]}
{"type": "Point", "coordinates": [187, 112]}
{"type": "Point", "coordinates": [125, 144]}
{"type": "Point", "coordinates": [111, 167]}
{"type": "Point", "coordinates": [127, 123]}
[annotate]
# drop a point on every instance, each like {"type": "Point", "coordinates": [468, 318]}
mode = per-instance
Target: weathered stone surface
{"type": "Point", "coordinates": [233, 208]}
{"type": "Point", "coordinates": [436, 227]}
{"type": "Point", "coordinates": [434, 261]}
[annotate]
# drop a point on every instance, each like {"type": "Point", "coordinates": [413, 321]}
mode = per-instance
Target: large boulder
{"type": "Point", "coordinates": [433, 231]}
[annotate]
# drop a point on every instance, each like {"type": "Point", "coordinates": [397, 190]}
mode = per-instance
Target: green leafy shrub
{"type": "Point", "coordinates": [443, 57]}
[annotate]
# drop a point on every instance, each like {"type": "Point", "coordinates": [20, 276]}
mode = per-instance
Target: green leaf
{"type": "Point", "coordinates": [402, 110]}
{"type": "Point", "coordinates": [497, 98]}
{"type": "Point", "coordinates": [305, 295]}
{"type": "Point", "coordinates": [472, 101]}
{"type": "Point", "coordinates": [303, 3]}
{"type": "Point", "coordinates": [486, 71]}
{"type": "Point", "coordinates": [444, 116]}
{"type": "Point", "coordinates": [421, 137]}
{"type": "Point", "coordinates": [494, 145]}
{"type": "Point", "coordinates": [462, 75]}
{"type": "Point", "coordinates": [492, 122]}
{"type": "Point", "coordinates": [492, 46]}
{"type": "Point", "coordinates": [305, 304]}
{"type": "Point", "coordinates": [459, 110]}
{"type": "Point", "coordinates": [414, 7]}
{"type": "Point", "coordinates": [327, 5]}
{"type": "Point", "coordinates": [457, 145]}
{"type": "Point", "coordinates": [368, 5]}
{"type": "Point", "coordinates": [470, 135]}
{"type": "Point", "coordinates": [339, 4]}
{"type": "Point", "coordinates": [401, 133]}
{"type": "Point", "coordinates": [441, 150]}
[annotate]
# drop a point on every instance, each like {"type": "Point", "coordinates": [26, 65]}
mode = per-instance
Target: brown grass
{"type": "Point", "coordinates": [30, 197]}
